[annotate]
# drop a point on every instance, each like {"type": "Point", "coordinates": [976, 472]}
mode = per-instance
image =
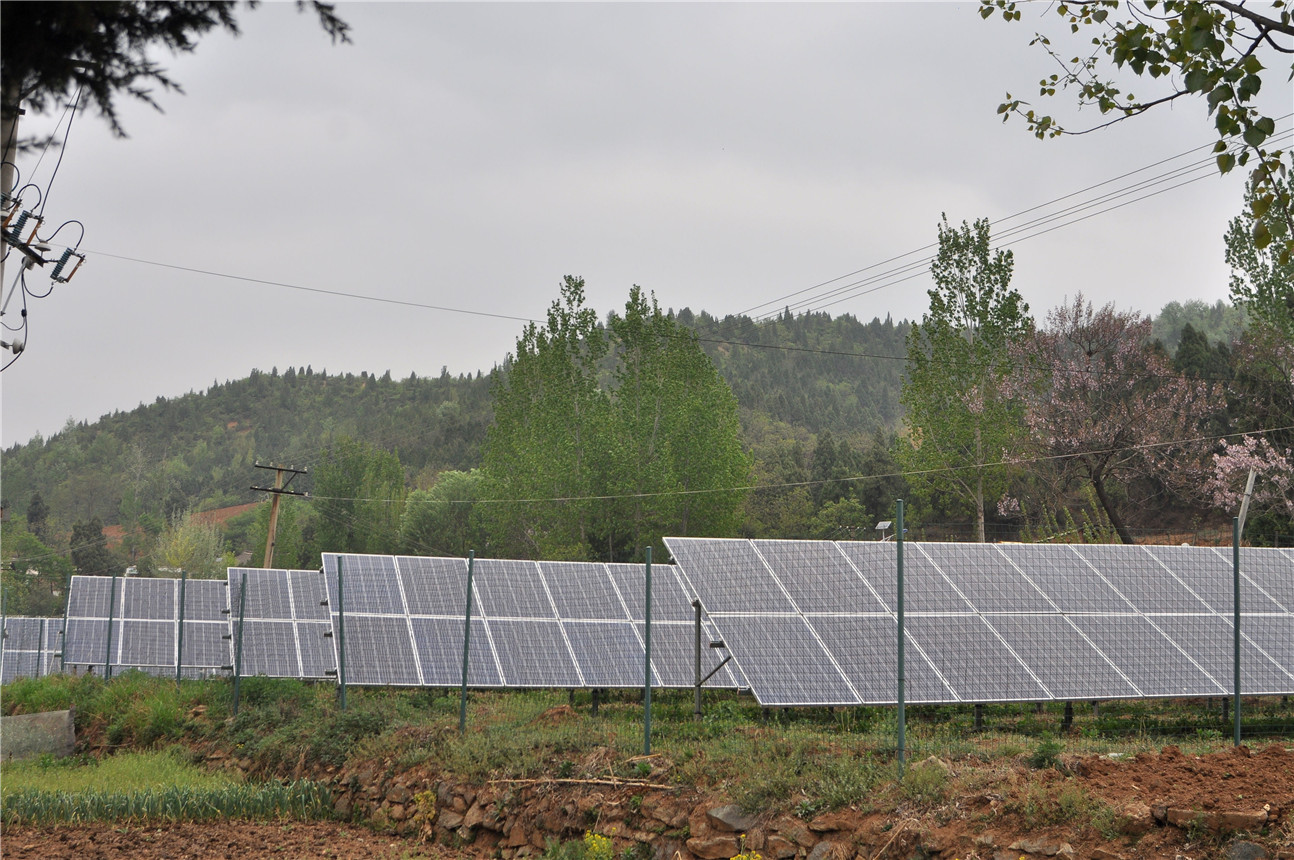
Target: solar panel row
{"type": "Point", "coordinates": [29, 648]}
{"type": "Point", "coordinates": [815, 622]}
{"type": "Point", "coordinates": [535, 624]}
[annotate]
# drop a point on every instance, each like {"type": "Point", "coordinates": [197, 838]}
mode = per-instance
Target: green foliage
{"type": "Point", "coordinates": [1046, 754]}
{"type": "Point", "coordinates": [1219, 322]}
{"type": "Point", "coordinates": [444, 519]}
{"type": "Point", "coordinates": [926, 784]}
{"type": "Point", "coordinates": [33, 576]}
{"type": "Point", "coordinates": [959, 420]}
{"type": "Point", "coordinates": [1260, 281]}
{"type": "Point", "coordinates": [1221, 53]}
{"type": "Point", "coordinates": [359, 492]}
{"type": "Point", "coordinates": [124, 772]}
{"type": "Point", "coordinates": [596, 470]}
{"type": "Point", "coordinates": [302, 800]}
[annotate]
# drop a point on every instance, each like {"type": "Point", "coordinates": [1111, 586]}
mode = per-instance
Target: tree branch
{"type": "Point", "coordinates": [1262, 21]}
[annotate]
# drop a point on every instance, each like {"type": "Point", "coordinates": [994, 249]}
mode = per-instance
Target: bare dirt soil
{"type": "Point", "coordinates": [986, 820]}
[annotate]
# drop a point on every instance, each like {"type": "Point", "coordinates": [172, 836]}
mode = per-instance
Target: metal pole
{"type": "Point", "coordinates": [107, 656]}
{"type": "Point", "coordinates": [898, 519]}
{"type": "Point", "coordinates": [696, 709]}
{"type": "Point", "coordinates": [1235, 608]}
{"type": "Point", "coordinates": [647, 674]}
{"type": "Point", "coordinates": [238, 641]}
{"type": "Point", "coordinates": [179, 636]}
{"type": "Point", "coordinates": [62, 634]}
{"type": "Point", "coordinates": [467, 638]}
{"type": "Point", "coordinates": [341, 635]}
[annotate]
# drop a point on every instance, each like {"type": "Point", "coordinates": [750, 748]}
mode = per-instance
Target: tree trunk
{"type": "Point", "coordinates": [1115, 520]}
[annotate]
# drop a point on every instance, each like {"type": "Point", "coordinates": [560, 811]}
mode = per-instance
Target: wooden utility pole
{"type": "Point", "coordinates": [277, 491]}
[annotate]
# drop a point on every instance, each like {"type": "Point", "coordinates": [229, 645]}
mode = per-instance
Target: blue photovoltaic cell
{"type": "Point", "coordinates": [985, 578]}
{"type": "Point", "coordinates": [1210, 641]}
{"type": "Point", "coordinates": [877, 562]}
{"type": "Point", "coordinates": [783, 662]}
{"type": "Point", "coordinates": [866, 649]}
{"type": "Point", "coordinates": [925, 589]}
{"type": "Point", "coordinates": [609, 654]}
{"type": "Point", "coordinates": [269, 648]}
{"type": "Point", "coordinates": [511, 589]}
{"type": "Point", "coordinates": [736, 577]}
{"type": "Point", "coordinates": [22, 654]}
{"type": "Point", "coordinates": [1141, 579]}
{"type": "Point", "coordinates": [1274, 635]}
{"type": "Point", "coordinates": [533, 654]}
{"type": "Point", "coordinates": [146, 643]}
{"type": "Point", "coordinates": [309, 595]}
{"type": "Point", "coordinates": [269, 596]}
{"type": "Point", "coordinates": [1270, 569]}
{"type": "Point", "coordinates": [435, 586]}
{"type": "Point", "coordinates": [369, 585]}
{"type": "Point", "coordinates": [440, 648]}
{"type": "Point", "coordinates": [670, 600]}
{"type": "Point", "coordinates": [1071, 583]}
{"type": "Point", "coordinates": [1153, 663]}
{"type": "Point", "coordinates": [818, 576]}
{"type": "Point", "coordinates": [318, 659]}
{"type": "Point", "coordinates": [379, 651]}
{"type": "Point", "coordinates": [88, 596]}
{"type": "Point", "coordinates": [583, 590]}
{"type": "Point", "coordinates": [206, 600]}
{"type": "Point", "coordinates": [1068, 665]}
{"type": "Point", "coordinates": [148, 599]}
{"type": "Point", "coordinates": [87, 641]}
{"type": "Point", "coordinates": [974, 661]}
{"type": "Point", "coordinates": [1212, 578]}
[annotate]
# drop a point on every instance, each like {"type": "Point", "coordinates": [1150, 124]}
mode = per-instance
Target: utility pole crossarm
{"type": "Point", "coordinates": [277, 492]}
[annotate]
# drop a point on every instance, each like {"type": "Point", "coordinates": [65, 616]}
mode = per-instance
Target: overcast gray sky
{"type": "Point", "coordinates": [467, 156]}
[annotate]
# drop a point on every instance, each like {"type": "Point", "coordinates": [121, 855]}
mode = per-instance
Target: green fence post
{"type": "Point", "coordinates": [1235, 609]}
{"type": "Point", "coordinates": [107, 656]}
{"type": "Point", "coordinates": [238, 640]}
{"type": "Point", "coordinates": [898, 519]}
{"type": "Point", "coordinates": [467, 638]}
{"type": "Point", "coordinates": [647, 671]}
{"type": "Point", "coordinates": [179, 636]}
{"type": "Point", "coordinates": [341, 635]}
{"type": "Point", "coordinates": [62, 634]}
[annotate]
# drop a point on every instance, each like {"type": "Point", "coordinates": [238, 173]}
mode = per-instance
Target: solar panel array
{"type": "Point", "coordinates": [534, 624]}
{"type": "Point", "coordinates": [815, 622]}
{"type": "Point", "coordinates": [30, 648]}
{"type": "Point", "coordinates": [145, 625]}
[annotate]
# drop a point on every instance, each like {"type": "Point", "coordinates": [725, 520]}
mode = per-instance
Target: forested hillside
{"type": "Point", "coordinates": [196, 452]}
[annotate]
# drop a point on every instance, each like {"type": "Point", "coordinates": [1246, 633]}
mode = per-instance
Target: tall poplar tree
{"type": "Point", "coordinates": [959, 422]}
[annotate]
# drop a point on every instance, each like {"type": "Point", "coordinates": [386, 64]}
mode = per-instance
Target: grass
{"type": "Point", "coordinates": [126, 772]}
{"type": "Point", "coordinates": [808, 761]}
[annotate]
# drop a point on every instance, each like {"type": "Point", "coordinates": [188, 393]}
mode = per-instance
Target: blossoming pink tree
{"type": "Point", "coordinates": [1103, 405]}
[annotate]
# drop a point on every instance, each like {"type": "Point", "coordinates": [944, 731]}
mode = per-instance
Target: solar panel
{"type": "Point", "coordinates": [1068, 581]}
{"type": "Point", "coordinates": [512, 589]}
{"type": "Point", "coordinates": [440, 651]}
{"type": "Point", "coordinates": [865, 648]}
{"type": "Point", "coordinates": [673, 655]}
{"type": "Point", "coordinates": [1212, 579]}
{"type": "Point", "coordinates": [981, 575]}
{"type": "Point", "coordinates": [1139, 577]}
{"type": "Point", "coordinates": [434, 586]}
{"type": "Point", "coordinates": [285, 626]}
{"type": "Point", "coordinates": [1270, 570]}
{"type": "Point", "coordinates": [608, 653]}
{"type": "Point", "coordinates": [784, 661]}
{"type": "Point", "coordinates": [585, 591]}
{"type": "Point", "coordinates": [1146, 657]}
{"type": "Point", "coordinates": [670, 600]}
{"type": "Point", "coordinates": [976, 663]}
{"type": "Point", "coordinates": [534, 654]}
{"type": "Point", "coordinates": [26, 651]}
{"type": "Point", "coordinates": [736, 577]}
{"type": "Point", "coordinates": [1062, 658]}
{"type": "Point", "coordinates": [1209, 641]}
{"type": "Point", "coordinates": [818, 577]}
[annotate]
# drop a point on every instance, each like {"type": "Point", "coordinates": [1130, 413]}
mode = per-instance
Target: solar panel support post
{"type": "Point", "coordinates": [902, 715]}
{"type": "Point", "coordinates": [62, 634]}
{"type": "Point", "coordinates": [341, 636]}
{"type": "Point", "coordinates": [696, 706]}
{"type": "Point", "coordinates": [107, 654]}
{"type": "Point", "coordinates": [467, 638]}
{"type": "Point", "coordinates": [1235, 609]}
{"type": "Point", "coordinates": [238, 640]}
{"type": "Point", "coordinates": [179, 633]}
{"type": "Point", "coordinates": [647, 664]}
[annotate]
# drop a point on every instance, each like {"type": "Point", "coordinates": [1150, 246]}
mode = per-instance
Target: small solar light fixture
{"type": "Point", "coordinates": [882, 526]}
